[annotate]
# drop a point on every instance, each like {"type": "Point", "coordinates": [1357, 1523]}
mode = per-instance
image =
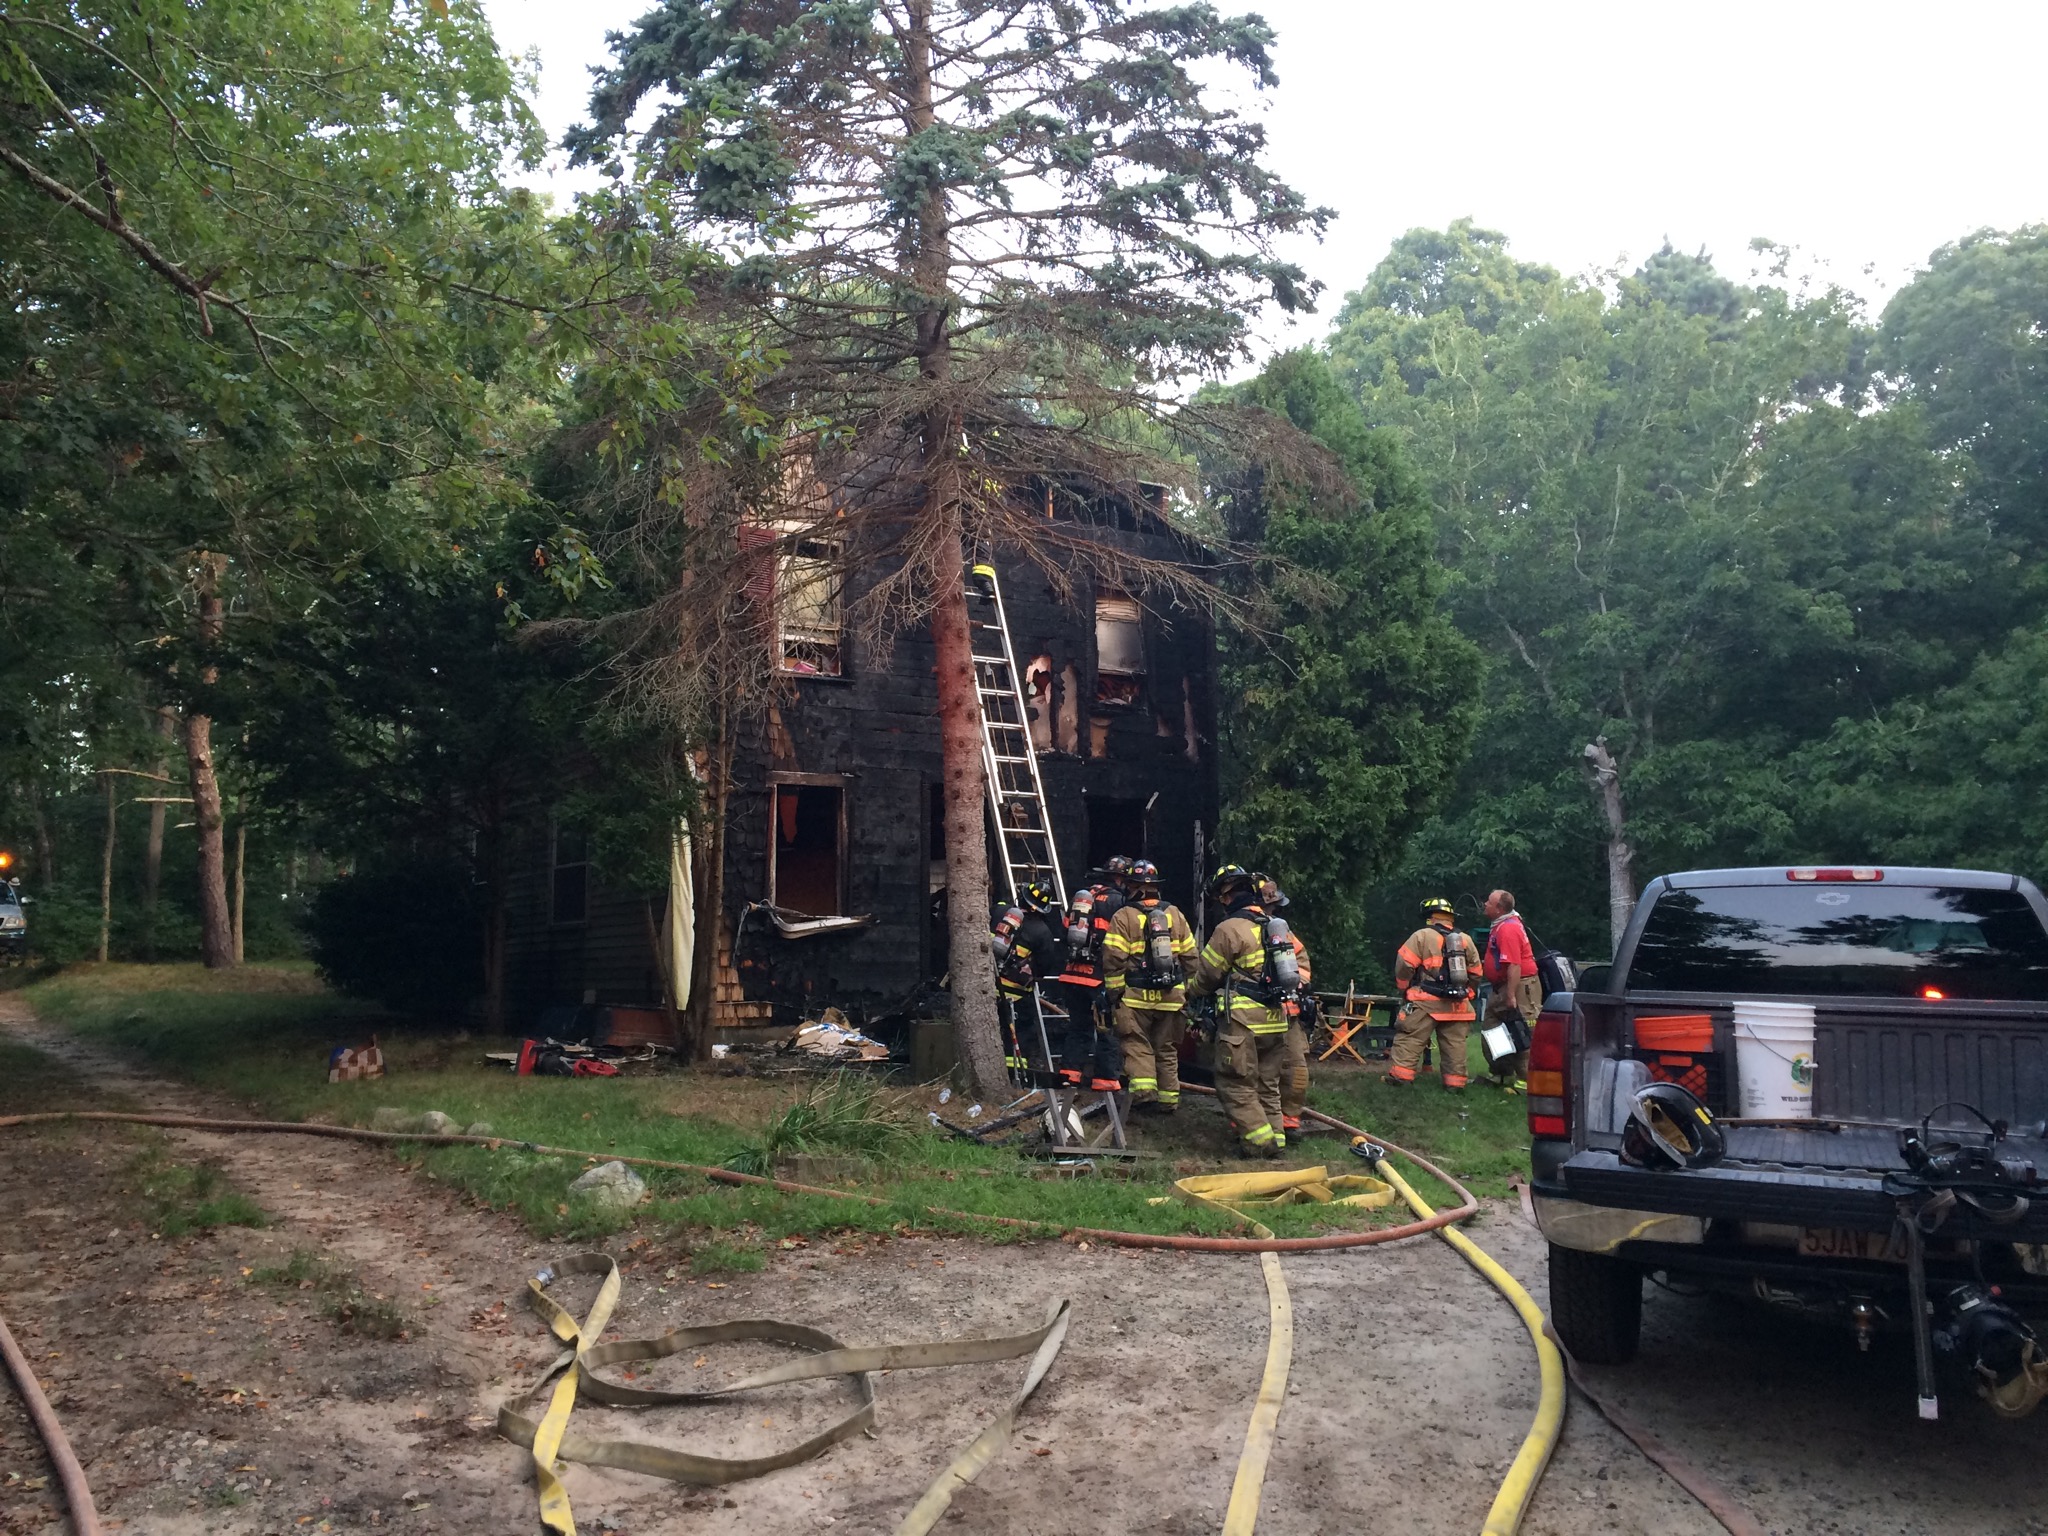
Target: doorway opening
{"type": "Point", "coordinates": [1115, 826]}
{"type": "Point", "coordinates": [808, 864]}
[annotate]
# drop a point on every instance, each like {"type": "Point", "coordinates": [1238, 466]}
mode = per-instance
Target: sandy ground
{"type": "Point", "coordinates": [201, 1403]}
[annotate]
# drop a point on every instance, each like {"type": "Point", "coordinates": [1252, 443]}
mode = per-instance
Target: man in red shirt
{"type": "Point", "coordinates": [1510, 969]}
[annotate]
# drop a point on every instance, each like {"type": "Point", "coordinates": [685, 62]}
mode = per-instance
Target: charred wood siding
{"type": "Point", "coordinates": [873, 733]}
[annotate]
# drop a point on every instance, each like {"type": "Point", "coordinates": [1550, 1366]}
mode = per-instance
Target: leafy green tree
{"type": "Point", "coordinates": [948, 211]}
{"type": "Point", "coordinates": [1608, 479]}
{"type": "Point", "coordinates": [271, 311]}
{"type": "Point", "coordinates": [1349, 695]}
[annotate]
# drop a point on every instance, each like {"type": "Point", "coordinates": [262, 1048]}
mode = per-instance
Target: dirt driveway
{"type": "Point", "coordinates": [203, 1401]}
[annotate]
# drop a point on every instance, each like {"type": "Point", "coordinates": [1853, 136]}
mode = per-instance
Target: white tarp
{"type": "Point", "coordinates": [682, 917]}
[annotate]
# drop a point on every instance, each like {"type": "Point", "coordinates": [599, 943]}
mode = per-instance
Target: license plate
{"type": "Point", "coordinates": [1848, 1243]}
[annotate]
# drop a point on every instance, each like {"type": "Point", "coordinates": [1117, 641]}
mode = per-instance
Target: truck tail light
{"type": "Point", "coordinates": [1550, 1089]}
{"type": "Point", "coordinates": [1831, 875]}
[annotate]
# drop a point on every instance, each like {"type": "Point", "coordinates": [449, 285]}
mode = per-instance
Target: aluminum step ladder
{"type": "Point", "coordinates": [1023, 823]}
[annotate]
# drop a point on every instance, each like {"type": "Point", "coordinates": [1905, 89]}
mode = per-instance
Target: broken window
{"type": "Point", "coordinates": [807, 859]}
{"type": "Point", "coordinates": [569, 876]}
{"type": "Point", "coordinates": [808, 609]}
{"type": "Point", "coordinates": [1038, 701]}
{"type": "Point", "coordinates": [1119, 649]}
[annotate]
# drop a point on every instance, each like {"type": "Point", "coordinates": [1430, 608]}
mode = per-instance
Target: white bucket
{"type": "Point", "coordinates": [1774, 1059]}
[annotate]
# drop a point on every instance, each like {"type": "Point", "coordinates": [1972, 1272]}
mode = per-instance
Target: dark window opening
{"type": "Point", "coordinates": [1119, 649]}
{"type": "Point", "coordinates": [1850, 940]}
{"type": "Point", "coordinates": [809, 845]}
{"type": "Point", "coordinates": [1115, 827]}
{"type": "Point", "coordinates": [569, 877]}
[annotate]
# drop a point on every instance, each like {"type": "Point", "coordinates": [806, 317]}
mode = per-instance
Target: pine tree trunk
{"type": "Point", "coordinates": [241, 882]}
{"type": "Point", "coordinates": [1604, 774]}
{"type": "Point", "coordinates": [46, 841]}
{"type": "Point", "coordinates": [708, 877]}
{"type": "Point", "coordinates": [107, 876]}
{"type": "Point", "coordinates": [216, 936]}
{"type": "Point", "coordinates": [977, 1031]}
{"type": "Point", "coordinates": [164, 721]}
{"type": "Point", "coordinates": [976, 1027]}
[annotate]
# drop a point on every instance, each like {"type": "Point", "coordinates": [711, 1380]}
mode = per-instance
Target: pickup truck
{"type": "Point", "coordinates": [1910, 1189]}
{"type": "Point", "coordinates": [13, 921]}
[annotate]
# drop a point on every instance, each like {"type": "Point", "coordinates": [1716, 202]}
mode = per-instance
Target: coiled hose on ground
{"type": "Point", "coordinates": [1508, 1507]}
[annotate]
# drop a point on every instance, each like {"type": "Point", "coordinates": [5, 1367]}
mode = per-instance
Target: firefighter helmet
{"type": "Point", "coordinates": [1669, 1128]}
{"type": "Point", "coordinates": [1142, 872]}
{"type": "Point", "coordinates": [1118, 869]}
{"type": "Point", "coordinates": [1037, 897]}
{"type": "Point", "coordinates": [1437, 904]}
{"type": "Point", "coordinates": [1271, 897]}
{"type": "Point", "coordinates": [1228, 877]}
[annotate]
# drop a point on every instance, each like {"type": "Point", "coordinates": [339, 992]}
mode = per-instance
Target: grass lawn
{"type": "Point", "coordinates": [261, 1035]}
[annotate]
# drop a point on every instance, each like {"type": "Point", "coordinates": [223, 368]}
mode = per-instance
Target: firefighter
{"type": "Point", "coordinates": [1300, 1014]}
{"type": "Point", "coordinates": [1146, 957]}
{"type": "Point", "coordinates": [1033, 953]}
{"type": "Point", "coordinates": [1437, 969]}
{"type": "Point", "coordinates": [1516, 994]}
{"type": "Point", "coordinates": [1089, 1051]}
{"type": "Point", "coordinates": [1249, 976]}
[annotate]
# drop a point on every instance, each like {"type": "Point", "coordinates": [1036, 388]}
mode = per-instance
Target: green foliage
{"type": "Point", "coordinates": [404, 933]}
{"type": "Point", "coordinates": [845, 1113]}
{"type": "Point", "coordinates": [178, 1199]}
{"type": "Point", "coordinates": [341, 1297]}
{"type": "Point", "coordinates": [1350, 697]}
{"type": "Point", "coordinates": [269, 1049]}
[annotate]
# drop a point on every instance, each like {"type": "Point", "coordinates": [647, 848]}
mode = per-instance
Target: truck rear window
{"type": "Point", "coordinates": [1850, 940]}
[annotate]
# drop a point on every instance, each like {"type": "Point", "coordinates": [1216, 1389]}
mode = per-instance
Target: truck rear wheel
{"type": "Point", "coordinates": [1597, 1304]}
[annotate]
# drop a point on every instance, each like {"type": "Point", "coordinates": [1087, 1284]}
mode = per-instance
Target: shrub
{"type": "Point", "coordinates": [407, 935]}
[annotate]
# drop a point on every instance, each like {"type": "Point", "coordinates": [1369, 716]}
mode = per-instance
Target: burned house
{"type": "Point", "coordinates": [835, 862]}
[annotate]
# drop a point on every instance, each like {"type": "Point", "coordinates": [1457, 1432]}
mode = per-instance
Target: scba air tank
{"type": "Point", "coordinates": [1280, 954]}
{"type": "Point", "coordinates": [1078, 920]}
{"type": "Point", "coordinates": [1003, 930]}
{"type": "Point", "coordinates": [1159, 942]}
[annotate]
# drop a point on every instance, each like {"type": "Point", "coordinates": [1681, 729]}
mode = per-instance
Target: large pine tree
{"type": "Point", "coordinates": [982, 243]}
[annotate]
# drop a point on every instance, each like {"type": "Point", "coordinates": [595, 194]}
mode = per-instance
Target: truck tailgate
{"type": "Point", "coordinates": [1823, 1176]}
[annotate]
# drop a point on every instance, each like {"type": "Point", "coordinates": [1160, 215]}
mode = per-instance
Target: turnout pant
{"type": "Point", "coordinates": [1294, 1079]}
{"type": "Point", "coordinates": [1090, 1045]}
{"type": "Point", "coordinates": [1411, 1034]}
{"type": "Point", "coordinates": [1248, 1069]}
{"type": "Point", "coordinates": [1150, 1038]}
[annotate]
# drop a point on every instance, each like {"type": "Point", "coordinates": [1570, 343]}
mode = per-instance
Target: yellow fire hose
{"type": "Point", "coordinates": [1241, 1193]}
{"type": "Point", "coordinates": [1519, 1487]}
{"type": "Point", "coordinates": [1228, 1191]}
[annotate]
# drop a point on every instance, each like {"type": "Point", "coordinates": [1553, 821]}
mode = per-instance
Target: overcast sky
{"type": "Point", "coordinates": [1864, 134]}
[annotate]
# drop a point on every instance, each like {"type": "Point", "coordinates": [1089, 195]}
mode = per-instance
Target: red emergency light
{"type": "Point", "coordinates": [1934, 994]}
{"type": "Point", "coordinates": [1834, 874]}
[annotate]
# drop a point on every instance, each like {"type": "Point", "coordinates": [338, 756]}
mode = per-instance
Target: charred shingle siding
{"type": "Point", "coordinates": [876, 729]}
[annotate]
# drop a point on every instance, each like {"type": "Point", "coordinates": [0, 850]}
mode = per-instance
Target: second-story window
{"type": "Point", "coordinates": [1119, 649]}
{"type": "Point", "coordinates": [807, 601]}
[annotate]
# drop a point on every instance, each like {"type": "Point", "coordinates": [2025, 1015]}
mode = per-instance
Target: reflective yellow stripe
{"type": "Point", "coordinates": [1259, 1135]}
{"type": "Point", "coordinates": [1144, 1084]}
{"type": "Point", "coordinates": [1120, 944]}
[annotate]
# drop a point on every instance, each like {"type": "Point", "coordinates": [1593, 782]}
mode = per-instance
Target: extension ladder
{"type": "Point", "coordinates": [1016, 799]}
{"type": "Point", "coordinates": [1016, 794]}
